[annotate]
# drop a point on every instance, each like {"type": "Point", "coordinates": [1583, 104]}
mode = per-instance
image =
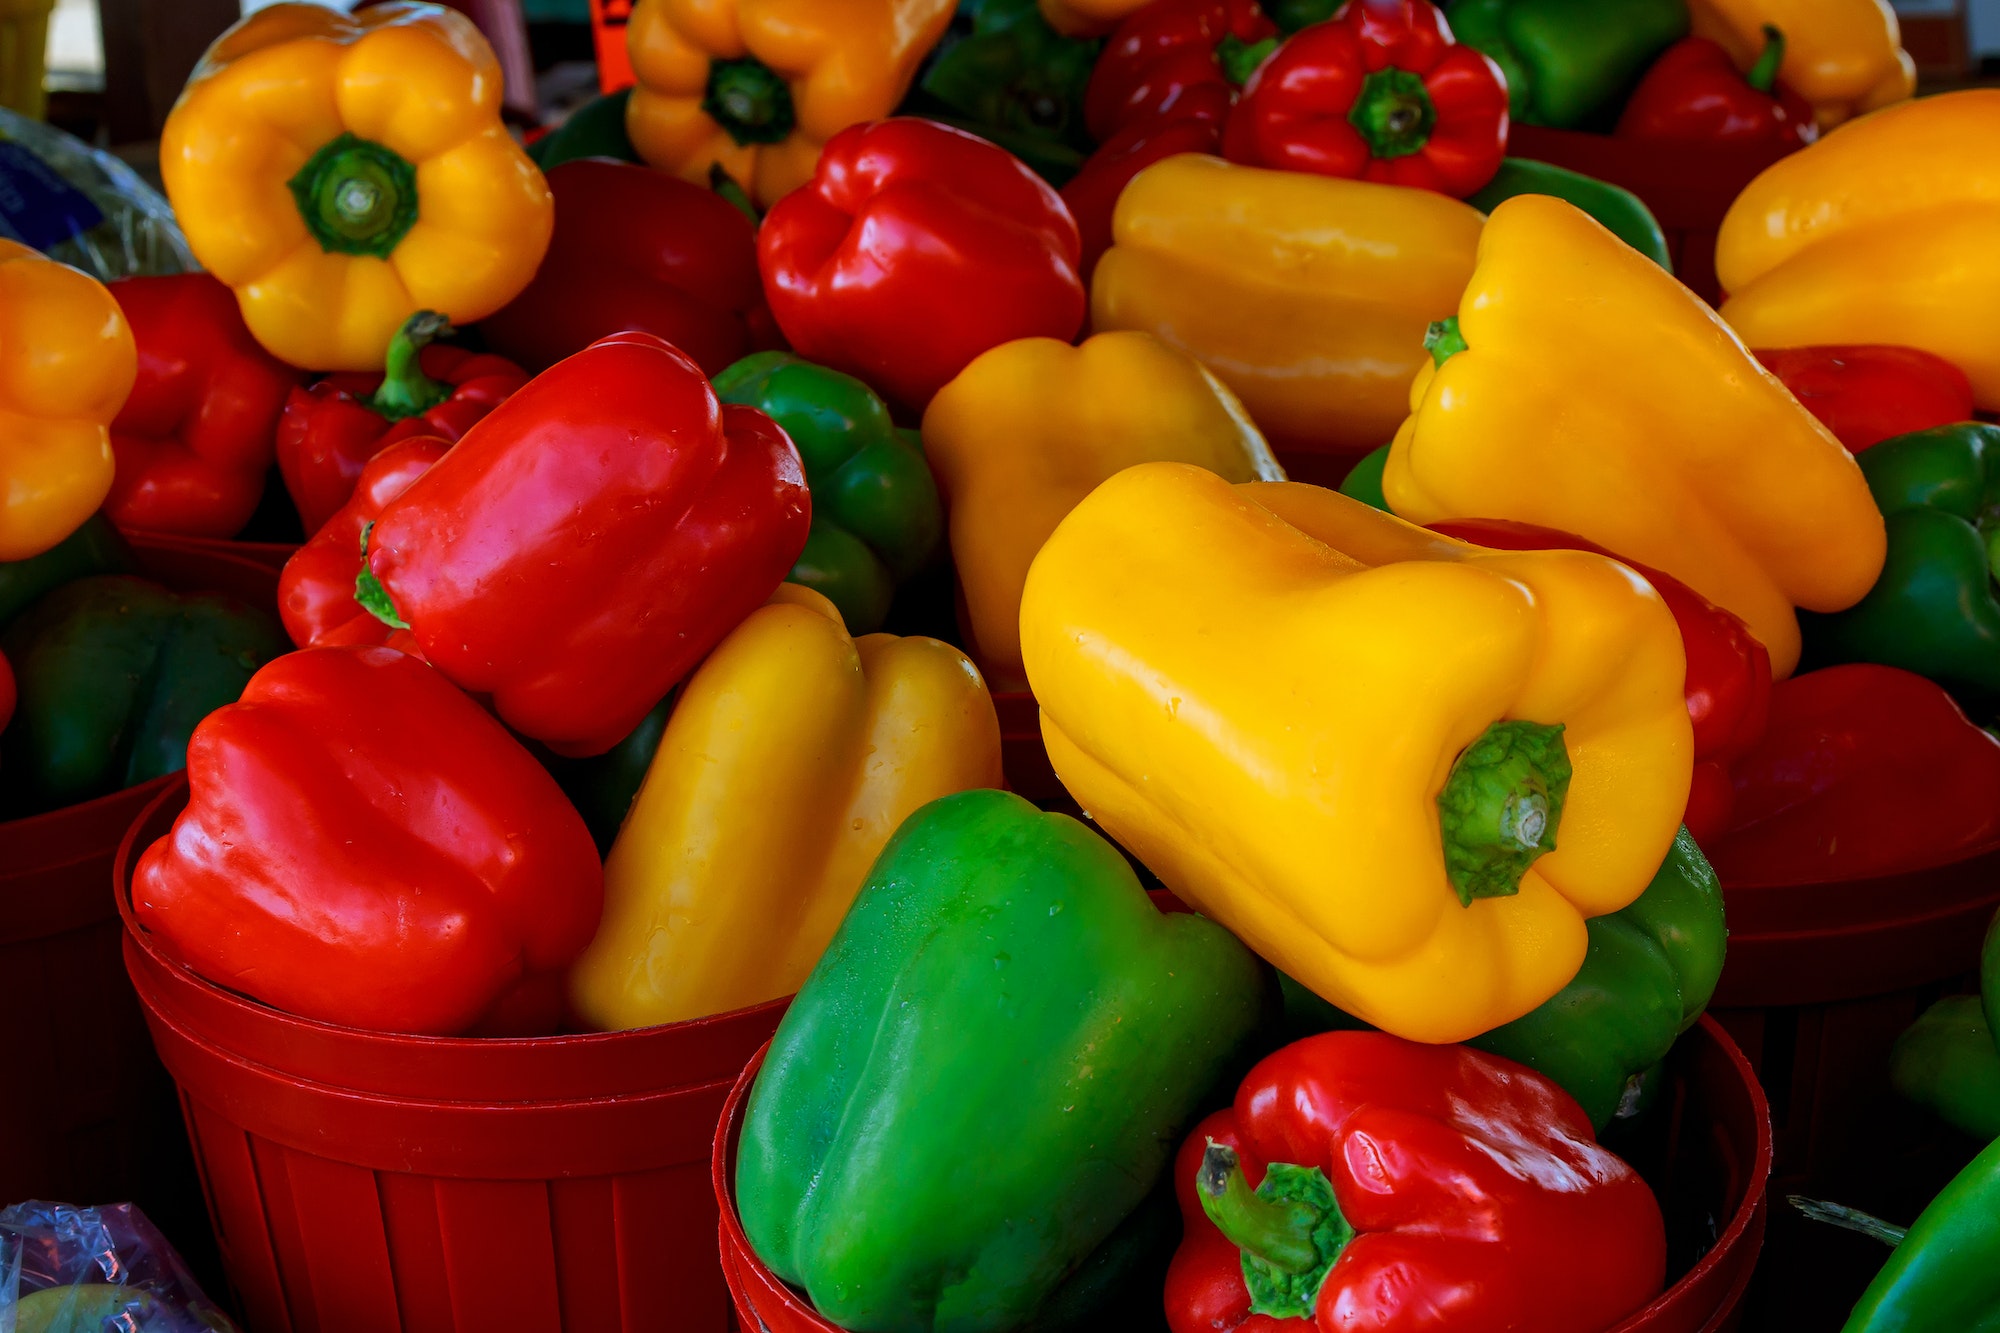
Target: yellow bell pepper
{"type": "Point", "coordinates": [757, 87]}
{"type": "Point", "coordinates": [1088, 18]}
{"type": "Point", "coordinates": [342, 173]}
{"type": "Point", "coordinates": [1307, 295]}
{"type": "Point", "coordinates": [1402, 768]}
{"type": "Point", "coordinates": [1882, 232]}
{"type": "Point", "coordinates": [1843, 56]}
{"type": "Point", "coordinates": [1596, 395]}
{"type": "Point", "coordinates": [1031, 427]}
{"type": "Point", "coordinates": [67, 362]}
{"type": "Point", "coordinates": [790, 757]}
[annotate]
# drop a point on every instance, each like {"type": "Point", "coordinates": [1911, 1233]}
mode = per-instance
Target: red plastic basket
{"type": "Point", "coordinates": [88, 1117]}
{"type": "Point", "coordinates": [1718, 1157]}
{"type": "Point", "coordinates": [364, 1180]}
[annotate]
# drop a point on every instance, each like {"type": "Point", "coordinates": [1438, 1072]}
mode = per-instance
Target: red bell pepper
{"type": "Point", "coordinates": [330, 431]}
{"type": "Point", "coordinates": [1092, 194]}
{"type": "Point", "coordinates": [1864, 770]}
{"type": "Point", "coordinates": [1728, 682]}
{"type": "Point", "coordinates": [914, 248]}
{"type": "Point", "coordinates": [1866, 395]}
{"type": "Point", "coordinates": [1403, 1187]}
{"type": "Point", "coordinates": [1694, 94]}
{"type": "Point", "coordinates": [193, 442]}
{"type": "Point", "coordinates": [316, 589]}
{"type": "Point", "coordinates": [7, 692]}
{"type": "Point", "coordinates": [1382, 93]}
{"type": "Point", "coordinates": [636, 248]}
{"type": "Point", "coordinates": [364, 845]}
{"type": "Point", "coordinates": [583, 547]}
{"type": "Point", "coordinates": [1178, 59]}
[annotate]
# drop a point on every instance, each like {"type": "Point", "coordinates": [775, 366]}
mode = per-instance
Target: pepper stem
{"type": "Point", "coordinates": [750, 100]}
{"type": "Point", "coordinates": [1764, 74]}
{"type": "Point", "coordinates": [1850, 1219]}
{"type": "Point", "coordinates": [1289, 1229]}
{"type": "Point", "coordinates": [1500, 807]}
{"type": "Point", "coordinates": [1443, 340]}
{"type": "Point", "coordinates": [1394, 113]}
{"type": "Point", "coordinates": [368, 589]}
{"type": "Point", "coordinates": [1239, 59]}
{"type": "Point", "coordinates": [406, 390]}
{"type": "Point", "coordinates": [356, 196]}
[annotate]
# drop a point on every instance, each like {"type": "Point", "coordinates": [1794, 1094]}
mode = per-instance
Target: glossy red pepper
{"type": "Point", "coordinates": [316, 589]}
{"type": "Point", "coordinates": [193, 443]}
{"type": "Point", "coordinates": [1863, 770]}
{"type": "Point", "coordinates": [1866, 395]}
{"type": "Point", "coordinates": [1382, 93]}
{"type": "Point", "coordinates": [636, 248]}
{"type": "Point", "coordinates": [914, 248]}
{"type": "Point", "coordinates": [1402, 1187]}
{"type": "Point", "coordinates": [1178, 59]}
{"type": "Point", "coordinates": [1695, 94]}
{"type": "Point", "coordinates": [583, 547]}
{"type": "Point", "coordinates": [1092, 194]}
{"type": "Point", "coordinates": [364, 845]}
{"type": "Point", "coordinates": [330, 431]}
{"type": "Point", "coordinates": [1728, 684]}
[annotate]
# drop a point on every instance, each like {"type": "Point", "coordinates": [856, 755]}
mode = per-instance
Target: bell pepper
{"type": "Point", "coordinates": [1032, 427]}
{"type": "Point", "coordinates": [914, 248]}
{"type": "Point", "coordinates": [329, 431]}
{"type": "Point", "coordinates": [877, 518]}
{"type": "Point", "coordinates": [1088, 18]}
{"type": "Point", "coordinates": [1694, 94]}
{"type": "Point", "coordinates": [1936, 608]}
{"type": "Point", "coordinates": [342, 172]}
{"type": "Point", "coordinates": [1944, 1276]}
{"type": "Point", "coordinates": [1620, 211]}
{"type": "Point", "coordinates": [1381, 93]}
{"type": "Point", "coordinates": [791, 755]}
{"type": "Point", "coordinates": [1353, 742]}
{"type": "Point", "coordinates": [1875, 235]}
{"type": "Point", "coordinates": [634, 521]}
{"type": "Point", "coordinates": [1728, 682]}
{"type": "Point", "coordinates": [1567, 343]}
{"type": "Point", "coordinates": [113, 673]}
{"type": "Point", "coordinates": [440, 886]}
{"type": "Point", "coordinates": [94, 548]}
{"type": "Point", "coordinates": [1947, 1061]}
{"type": "Point", "coordinates": [1176, 59]}
{"type": "Point", "coordinates": [316, 588]}
{"type": "Point", "coordinates": [194, 441]}
{"type": "Point", "coordinates": [1863, 770]}
{"type": "Point", "coordinates": [1000, 971]}
{"type": "Point", "coordinates": [1306, 295]}
{"type": "Point", "coordinates": [1013, 79]}
{"type": "Point", "coordinates": [1865, 395]}
{"type": "Point", "coordinates": [760, 88]}
{"type": "Point", "coordinates": [602, 787]}
{"type": "Point", "coordinates": [638, 249]}
{"type": "Point", "coordinates": [1843, 56]}
{"type": "Point", "coordinates": [1568, 63]}
{"type": "Point", "coordinates": [67, 365]}
{"type": "Point", "coordinates": [1092, 194]}
{"type": "Point", "coordinates": [1403, 1187]}
{"type": "Point", "coordinates": [595, 129]}
{"type": "Point", "coordinates": [8, 692]}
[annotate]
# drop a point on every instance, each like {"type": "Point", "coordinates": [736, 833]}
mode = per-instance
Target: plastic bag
{"type": "Point", "coordinates": [65, 1269]}
{"type": "Point", "coordinates": [84, 207]}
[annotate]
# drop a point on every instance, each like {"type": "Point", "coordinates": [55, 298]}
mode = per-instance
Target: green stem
{"type": "Point", "coordinates": [406, 391]}
{"type": "Point", "coordinates": [750, 100]}
{"type": "Point", "coordinates": [1851, 1219]}
{"type": "Point", "coordinates": [1443, 340]}
{"type": "Point", "coordinates": [1289, 1229]}
{"type": "Point", "coordinates": [1500, 807]}
{"type": "Point", "coordinates": [1239, 59]}
{"type": "Point", "coordinates": [725, 185]}
{"type": "Point", "coordinates": [368, 590]}
{"type": "Point", "coordinates": [356, 197]}
{"type": "Point", "coordinates": [1394, 113]}
{"type": "Point", "coordinates": [1764, 74]}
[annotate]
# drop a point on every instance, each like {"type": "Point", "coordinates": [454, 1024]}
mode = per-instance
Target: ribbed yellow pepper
{"type": "Point", "coordinates": [1403, 769]}
{"type": "Point", "coordinates": [1031, 427]}
{"type": "Point", "coordinates": [757, 87]}
{"type": "Point", "coordinates": [342, 173]}
{"type": "Point", "coordinates": [66, 364]}
{"type": "Point", "coordinates": [1843, 56]}
{"type": "Point", "coordinates": [791, 755]}
{"type": "Point", "coordinates": [1882, 232]}
{"type": "Point", "coordinates": [1598, 396]}
{"type": "Point", "coordinates": [1307, 295]}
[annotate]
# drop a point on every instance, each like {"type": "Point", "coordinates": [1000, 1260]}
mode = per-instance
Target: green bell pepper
{"type": "Point", "coordinates": [1364, 481]}
{"type": "Point", "coordinates": [94, 548]}
{"type": "Point", "coordinates": [1947, 1061]}
{"type": "Point", "coordinates": [603, 786]}
{"type": "Point", "coordinates": [114, 672]}
{"type": "Point", "coordinates": [1945, 1274]}
{"type": "Point", "coordinates": [1646, 978]}
{"type": "Point", "coordinates": [1621, 212]}
{"type": "Point", "coordinates": [595, 129]}
{"type": "Point", "coordinates": [1569, 63]}
{"type": "Point", "coordinates": [1004, 74]}
{"type": "Point", "coordinates": [1935, 609]}
{"type": "Point", "coordinates": [876, 516]}
{"type": "Point", "coordinates": [986, 1073]}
